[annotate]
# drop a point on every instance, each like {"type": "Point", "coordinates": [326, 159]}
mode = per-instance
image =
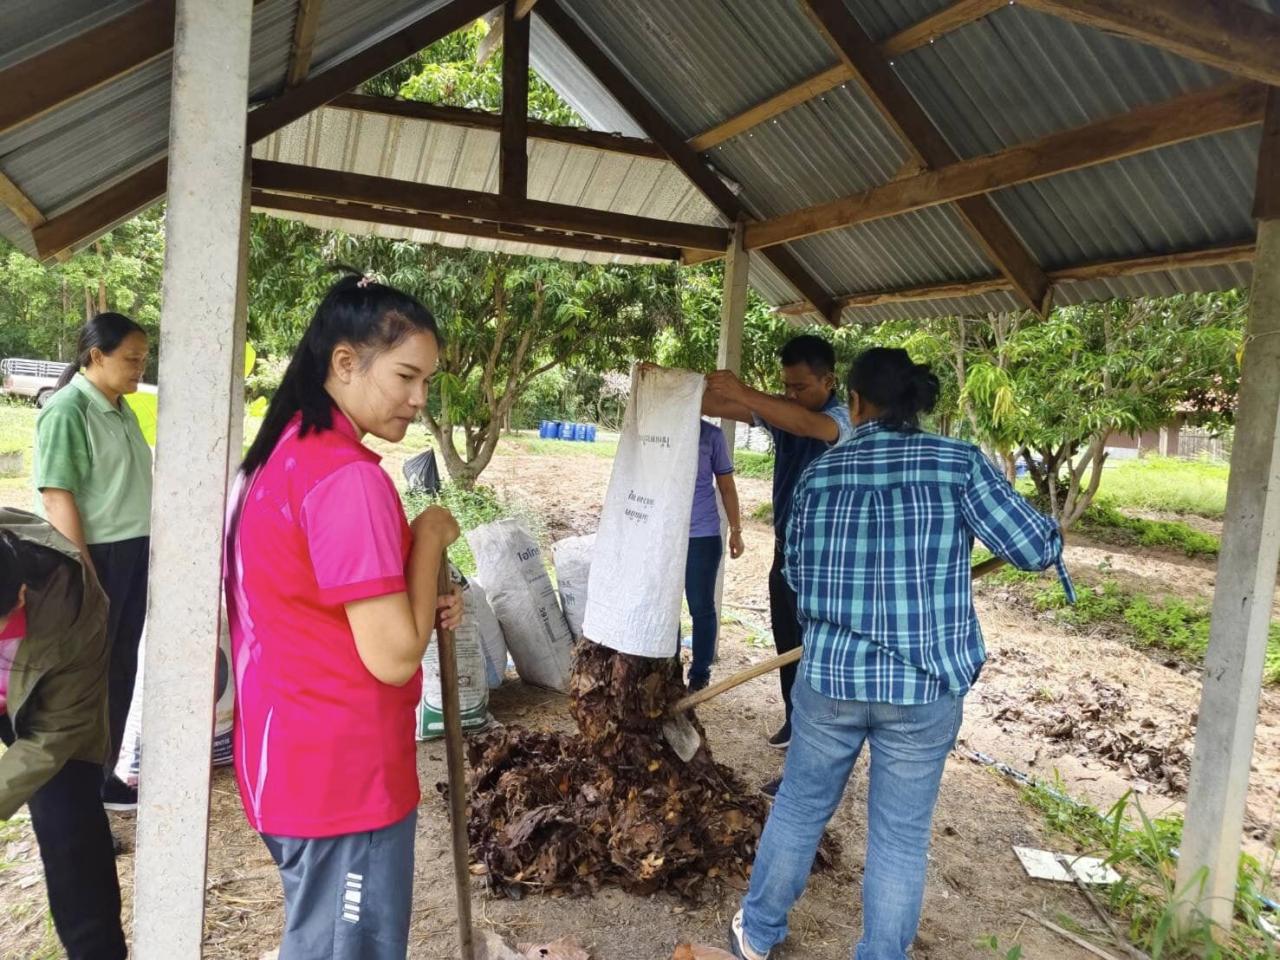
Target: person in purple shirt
{"type": "Point", "coordinates": [715, 470]}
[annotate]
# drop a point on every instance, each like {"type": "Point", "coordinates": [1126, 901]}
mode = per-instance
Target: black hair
{"type": "Point", "coordinates": [368, 315]}
{"type": "Point", "coordinates": [887, 378]}
{"type": "Point", "coordinates": [104, 332]}
{"type": "Point", "coordinates": [22, 564]}
{"type": "Point", "coordinates": [813, 351]}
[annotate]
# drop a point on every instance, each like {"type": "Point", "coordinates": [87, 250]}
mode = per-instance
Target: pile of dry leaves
{"type": "Point", "coordinates": [613, 804]}
{"type": "Point", "coordinates": [1093, 717]}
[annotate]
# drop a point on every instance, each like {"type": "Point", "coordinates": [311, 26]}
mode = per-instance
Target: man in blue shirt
{"type": "Point", "coordinates": [806, 421]}
{"type": "Point", "coordinates": [878, 551]}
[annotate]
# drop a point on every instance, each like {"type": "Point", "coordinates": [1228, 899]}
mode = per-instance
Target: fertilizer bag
{"type": "Point", "coordinates": [524, 602]}
{"type": "Point", "coordinates": [473, 691]}
{"type": "Point", "coordinates": [637, 567]}
{"type": "Point", "coordinates": [572, 559]}
{"type": "Point", "coordinates": [492, 642]}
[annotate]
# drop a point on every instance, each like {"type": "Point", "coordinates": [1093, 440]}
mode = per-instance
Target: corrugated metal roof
{"type": "Point", "coordinates": [449, 156]}
{"type": "Point", "coordinates": [1013, 76]}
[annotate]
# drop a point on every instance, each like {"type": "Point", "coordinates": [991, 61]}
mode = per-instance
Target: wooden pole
{"type": "Point", "coordinates": [456, 770]}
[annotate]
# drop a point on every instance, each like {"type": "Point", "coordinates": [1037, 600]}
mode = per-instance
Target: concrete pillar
{"type": "Point", "coordinates": [733, 310]}
{"type": "Point", "coordinates": [1241, 616]}
{"type": "Point", "coordinates": [199, 345]}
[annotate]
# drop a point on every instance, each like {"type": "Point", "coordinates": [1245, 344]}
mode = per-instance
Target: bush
{"type": "Point", "coordinates": [471, 508]}
{"type": "Point", "coordinates": [265, 379]}
{"type": "Point", "coordinates": [748, 463]}
{"type": "Point", "coordinates": [1103, 521]}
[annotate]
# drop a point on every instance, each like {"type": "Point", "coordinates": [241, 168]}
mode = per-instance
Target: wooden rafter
{"type": "Point", "coordinates": [19, 203]}
{"type": "Point", "coordinates": [483, 120]}
{"type": "Point", "coordinates": [368, 213]}
{"type": "Point", "coordinates": [513, 165]}
{"type": "Point", "coordinates": [303, 181]}
{"type": "Point", "coordinates": [1227, 34]}
{"type": "Point", "coordinates": [1229, 107]}
{"type": "Point", "coordinates": [660, 131]}
{"type": "Point", "coordinates": [524, 8]}
{"type": "Point", "coordinates": [949, 18]}
{"type": "Point", "coordinates": [900, 109]}
{"type": "Point", "coordinates": [304, 41]}
{"type": "Point", "coordinates": [1266, 194]}
{"type": "Point", "coordinates": [1094, 270]}
{"type": "Point", "coordinates": [952, 17]}
{"type": "Point", "coordinates": [34, 86]}
{"type": "Point", "coordinates": [145, 187]}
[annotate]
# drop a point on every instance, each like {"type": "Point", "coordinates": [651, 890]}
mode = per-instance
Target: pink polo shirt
{"type": "Point", "coordinates": [10, 637]}
{"type": "Point", "coordinates": [322, 747]}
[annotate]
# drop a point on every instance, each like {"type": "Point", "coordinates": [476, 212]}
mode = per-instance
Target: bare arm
{"type": "Point", "coordinates": [60, 507]}
{"type": "Point", "coordinates": [392, 631]}
{"type": "Point", "coordinates": [714, 405]}
{"type": "Point", "coordinates": [793, 417]}
{"type": "Point", "coordinates": [729, 496]}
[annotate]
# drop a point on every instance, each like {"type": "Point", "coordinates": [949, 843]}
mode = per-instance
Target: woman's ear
{"type": "Point", "coordinates": [343, 362]}
{"type": "Point", "coordinates": [96, 356]}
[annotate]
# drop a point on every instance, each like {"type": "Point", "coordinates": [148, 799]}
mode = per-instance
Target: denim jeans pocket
{"type": "Point", "coordinates": [815, 706]}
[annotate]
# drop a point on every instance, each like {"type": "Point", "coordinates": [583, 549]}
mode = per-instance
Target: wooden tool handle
{"type": "Point", "coordinates": [452, 711]}
{"type": "Point", "coordinates": [791, 656]}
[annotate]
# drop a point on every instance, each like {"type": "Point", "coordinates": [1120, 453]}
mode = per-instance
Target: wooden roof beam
{"type": "Point", "coordinates": [143, 188]}
{"type": "Point", "coordinates": [269, 175]}
{"type": "Point", "coordinates": [661, 132]}
{"type": "Point", "coordinates": [304, 41]}
{"type": "Point", "coordinates": [1095, 270]}
{"type": "Point", "coordinates": [1217, 110]}
{"type": "Point", "coordinates": [513, 160]}
{"type": "Point", "coordinates": [511, 233]}
{"type": "Point", "coordinates": [12, 196]}
{"type": "Point", "coordinates": [484, 120]}
{"type": "Point", "coordinates": [524, 8]}
{"type": "Point", "coordinates": [1226, 34]}
{"type": "Point", "coordinates": [899, 107]}
{"type": "Point", "coordinates": [952, 17]}
{"type": "Point", "coordinates": [34, 86]}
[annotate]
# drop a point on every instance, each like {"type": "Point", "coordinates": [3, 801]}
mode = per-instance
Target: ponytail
{"type": "Point", "coordinates": [367, 315]}
{"type": "Point", "coordinates": [105, 333]}
{"type": "Point", "coordinates": [887, 378]}
{"type": "Point", "coordinates": [22, 564]}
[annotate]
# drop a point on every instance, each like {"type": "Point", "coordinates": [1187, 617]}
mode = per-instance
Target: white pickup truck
{"type": "Point", "coordinates": [35, 379]}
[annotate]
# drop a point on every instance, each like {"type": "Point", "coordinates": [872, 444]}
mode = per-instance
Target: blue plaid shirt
{"type": "Point", "coordinates": [878, 552]}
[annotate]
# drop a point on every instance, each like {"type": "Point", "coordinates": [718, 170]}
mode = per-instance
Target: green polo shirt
{"type": "Point", "coordinates": [96, 450]}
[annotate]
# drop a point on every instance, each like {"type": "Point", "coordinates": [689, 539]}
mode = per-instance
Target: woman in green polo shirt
{"type": "Point", "coordinates": [93, 473]}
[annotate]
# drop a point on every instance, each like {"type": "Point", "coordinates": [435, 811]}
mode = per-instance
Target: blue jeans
{"type": "Point", "coordinates": [700, 571]}
{"type": "Point", "coordinates": [909, 747]}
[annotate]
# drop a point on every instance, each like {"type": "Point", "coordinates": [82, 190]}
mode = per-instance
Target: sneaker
{"type": "Point", "coordinates": [699, 684]}
{"type": "Point", "coordinates": [118, 795]}
{"type": "Point", "coordinates": [782, 739]}
{"type": "Point", "coordinates": [770, 789]}
{"type": "Point", "coordinates": [738, 945]}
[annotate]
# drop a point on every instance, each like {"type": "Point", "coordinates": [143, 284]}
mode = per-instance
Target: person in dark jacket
{"type": "Point", "coordinates": [53, 722]}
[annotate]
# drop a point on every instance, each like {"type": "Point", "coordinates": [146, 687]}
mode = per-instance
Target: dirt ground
{"type": "Point", "coordinates": [1051, 699]}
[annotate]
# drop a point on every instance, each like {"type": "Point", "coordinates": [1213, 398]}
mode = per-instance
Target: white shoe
{"type": "Point", "coordinates": [738, 942]}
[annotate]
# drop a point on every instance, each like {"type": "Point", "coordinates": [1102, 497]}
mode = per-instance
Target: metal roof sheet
{"type": "Point", "coordinates": [444, 155]}
{"type": "Point", "coordinates": [1012, 76]}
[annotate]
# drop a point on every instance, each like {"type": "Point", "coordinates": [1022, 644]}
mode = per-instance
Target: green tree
{"type": "Point", "coordinates": [1054, 389]}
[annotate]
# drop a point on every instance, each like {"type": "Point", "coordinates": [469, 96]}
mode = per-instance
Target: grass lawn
{"type": "Point", "coordinates": [1168, 485]}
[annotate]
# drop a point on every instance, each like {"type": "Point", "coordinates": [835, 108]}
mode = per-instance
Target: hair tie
{"type": "Point", "coordinates": [365, 281]}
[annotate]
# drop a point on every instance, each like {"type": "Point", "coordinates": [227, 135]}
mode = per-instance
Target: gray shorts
{"type": "Point", "coordinates": [347, 897]}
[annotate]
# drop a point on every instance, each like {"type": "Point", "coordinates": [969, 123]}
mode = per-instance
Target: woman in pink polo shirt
{"type": "Point", "coordinates": [331, 597]}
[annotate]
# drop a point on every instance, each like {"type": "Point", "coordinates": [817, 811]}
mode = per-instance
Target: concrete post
{"type": "Point", "coordinates": [733, 310]}
{"type": "Point", "coordinates": [198, 347]}
{"type": "Point", "coordinates": [1241, 615]}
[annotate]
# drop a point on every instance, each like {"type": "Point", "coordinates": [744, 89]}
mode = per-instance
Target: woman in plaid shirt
{"type": "Point", "coordinates": [878, 552]}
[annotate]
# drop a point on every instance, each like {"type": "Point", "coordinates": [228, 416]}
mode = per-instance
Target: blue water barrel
{"type": "Point", "coordinates": [565, 431]}
{"type": "Point", "coordinates": [542, 429]}
{"type": "Point", "coordinates": [591, 433]}
{"type": "Point", "coordinates": [580, 431]}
